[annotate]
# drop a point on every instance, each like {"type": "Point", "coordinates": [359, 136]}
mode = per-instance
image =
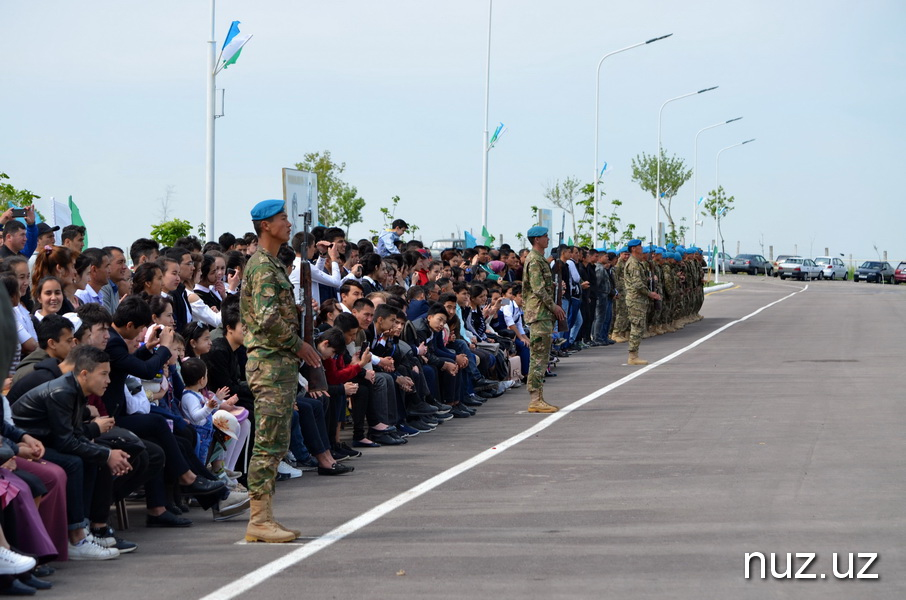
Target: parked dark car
{"type": "Point", "coordinates": [752, 264]}
{"type": "Point", "coordinates": [899, 275]}
{"type": "Point", "coordinates": [874, 270]}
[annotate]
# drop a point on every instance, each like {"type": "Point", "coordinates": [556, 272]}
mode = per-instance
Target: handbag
{"type": "Point", "coordinates": [118, 438]}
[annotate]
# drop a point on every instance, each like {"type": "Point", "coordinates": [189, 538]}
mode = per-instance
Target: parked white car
{"type": "Point", "coordinates": [832, 268]}
{"type": "Point", "coordinates": [799, 268]}
{"type": "Point", "coordinates": [723, 260]}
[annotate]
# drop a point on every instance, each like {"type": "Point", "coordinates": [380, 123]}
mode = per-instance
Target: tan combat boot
{"type": "Point", "coordinates": [262, 528]}
{"type": "Point", "coordinates": [635, 360]}
{"type": "Point", "coordinates": [669, 328]}
{"type": "Point", "coordinates": [618, 337]}
{"type": "Point", "coordinates": [538, 405]}
{"type": "Point", "coordinates": [270, 517]}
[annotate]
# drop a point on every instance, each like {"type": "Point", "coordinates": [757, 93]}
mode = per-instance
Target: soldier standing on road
{"type": "Point", "coordinates": [540, 310]}
{"type": "Point", "coordinates": [638, 295]}
{"type": "Point", "coordinates": [274, 347]}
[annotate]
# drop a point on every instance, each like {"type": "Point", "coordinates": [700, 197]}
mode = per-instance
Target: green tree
{"type": "Point", "coordinates": [338, 202]}
{"type": "Point", "coordinates": [673, 175]}
{"type": "Point", "coordinates": [167, 232]}
{"type": "Point", "coordinates": [562, 195]}
{"type": "Point", "coordinates": [718, 206]}
{"type": "Point", "coordinates": [12, 196]}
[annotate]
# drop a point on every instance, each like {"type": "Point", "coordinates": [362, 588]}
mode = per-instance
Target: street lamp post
{"type": "Point", "coordinates": [209, 133]}
{"type": "Point", "coordinates": [695, 174]}
{"type": "Point", "coordinates": [714, 257]}
{"type": "Point", "coordinates": [597, 115]}
{"type": "Point", "coordinates": [484, 146]}
{"type": "Point", "coordinates": [657, 195]}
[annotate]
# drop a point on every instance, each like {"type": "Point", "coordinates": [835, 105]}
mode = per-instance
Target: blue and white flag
{"type": "Point", "coordinates": [232, 47]}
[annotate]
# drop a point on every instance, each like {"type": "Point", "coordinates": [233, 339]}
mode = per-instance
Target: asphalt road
{"type": "Point", "coordinates": [782, 433]}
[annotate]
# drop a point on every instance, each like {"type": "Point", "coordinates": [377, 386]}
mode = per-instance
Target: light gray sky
{"type": "Point", "coordinates": [105, 100]}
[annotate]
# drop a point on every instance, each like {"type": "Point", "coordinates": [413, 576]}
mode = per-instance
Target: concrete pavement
{"type": "Point", "coordinates": [781, 434]}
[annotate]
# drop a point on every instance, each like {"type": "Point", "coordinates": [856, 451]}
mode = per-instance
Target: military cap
{"type": "Point", "coordinates": [536, 231]}
{"type": "Point", "coordinates": [634, 243]}
{"type": "Point", "coordinates": [267, 209]}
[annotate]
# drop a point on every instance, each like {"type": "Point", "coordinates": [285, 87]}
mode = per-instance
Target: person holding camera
{"type": "Point", "coordinates": [19, 238]}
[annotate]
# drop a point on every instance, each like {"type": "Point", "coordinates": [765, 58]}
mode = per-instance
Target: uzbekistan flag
{"type": "Point", "coordinates": [232, 47]}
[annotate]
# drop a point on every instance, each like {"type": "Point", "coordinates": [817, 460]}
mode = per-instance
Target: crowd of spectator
{"type": "Point", "coordinates": [127, 378]}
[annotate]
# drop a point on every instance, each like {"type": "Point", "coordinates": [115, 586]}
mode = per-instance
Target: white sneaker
{"type": "Point", "coordinates": [285, 469]}
{"type": "Point", "coordinates": [88, 549]}
{"type": "Point", "coordinates": [13, 563]}
{"type": "Point", "coordinates": [233, 505]}
{"type": "Point", "coordinates": [508, 384]}
{"type": "Point", "coordinates": [290, 457]}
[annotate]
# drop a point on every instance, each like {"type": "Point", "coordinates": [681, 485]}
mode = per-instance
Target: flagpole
{"type": "Point", "coordinates": [484, 147]}
{"type": "Point", "coordinates": [209, 133]}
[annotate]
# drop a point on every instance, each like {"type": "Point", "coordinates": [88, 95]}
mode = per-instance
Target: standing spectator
{"type": "Point", "coordinates": [73, 237]}
{"type": "Point", "coordinates": [387, 242]}
{"type": "Point", "coordinates": [19, 238]}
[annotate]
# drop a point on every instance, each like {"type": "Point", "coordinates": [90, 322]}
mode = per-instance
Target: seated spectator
{"type": "Point", "coordinates": [26, 336]}
{"type": "Point", "coordinates": [98, 276]}
{"type": "Point", "coordinates": [48, 295]}
{"type": "Point", "coordinates": [147, 281]}
{"type": "Point", "coordinates": [132, 316]}
{"type": "Point", "coordinates": [55, 340]}
{"type": "Point", "coordinates": [51, 413]}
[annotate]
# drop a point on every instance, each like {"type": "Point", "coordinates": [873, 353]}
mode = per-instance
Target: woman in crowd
{"type": "Point", "coordinates": [48, 294]}
{"type": "Point", "coordinates": [147, 280]}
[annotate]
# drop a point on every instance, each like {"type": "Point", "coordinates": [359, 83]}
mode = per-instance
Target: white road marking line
{"type": "Point", "coordinates": [261, 574]}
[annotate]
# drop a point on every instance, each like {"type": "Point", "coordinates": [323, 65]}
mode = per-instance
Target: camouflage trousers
{"type": "Point", "coordinates": [620, 320]}
{"type": "Point", "coordinates": [638, 313]}
{"type": "Point", "coordinates": [539, 354]}
{"type": "Point", "coordinates": [273, 381]}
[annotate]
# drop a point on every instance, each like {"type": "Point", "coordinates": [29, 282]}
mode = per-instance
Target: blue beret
{"type": "Point", "coordinates": [623, 249]}
{"type": "Point", "coordinates": [633, 243]}
{"type": "Point", "coordinates": [536, 231]}
{"type": "Point", "coordinates": [267, 209]}
{"type": "Point", "coordinates": [660, 250]}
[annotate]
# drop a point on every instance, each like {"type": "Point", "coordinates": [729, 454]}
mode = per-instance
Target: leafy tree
{"type": "Point", "coordinates": [167, 232]}
{"type": "Point", "coordinates": [562, 195]}
{"type": "Point", "coordinates": [338, 202]}
{"type": "Point", "coordinates": [349, 207]}
{"type": "Point", "coordinates": [717, 206]}
{"type": "Point", "coordinates": [11, 196]}
{"type": "Point", "coordinates": [673, 175]}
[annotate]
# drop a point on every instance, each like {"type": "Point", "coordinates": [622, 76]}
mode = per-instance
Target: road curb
{"type": "Point", "coordinates": [718, 288]}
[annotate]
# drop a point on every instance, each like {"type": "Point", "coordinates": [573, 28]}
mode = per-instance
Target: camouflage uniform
{"type": "Point", "coordinates": [620, 316]}
{"type": "Point", "coordinates": [272, 320]}
{"type": "Point", "coordinates": [636, 284]}
{"type": "Point", "coordinates": [538, 292]}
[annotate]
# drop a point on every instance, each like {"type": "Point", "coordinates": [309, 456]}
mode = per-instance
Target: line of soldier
{"type": "Point", "coordinates": [675, 274]}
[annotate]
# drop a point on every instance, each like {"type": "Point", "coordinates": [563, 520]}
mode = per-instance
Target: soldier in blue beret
{"type": "Point", "coordinates": [275, 347]}
{"type": "Point", "coordinates": [540, 310]}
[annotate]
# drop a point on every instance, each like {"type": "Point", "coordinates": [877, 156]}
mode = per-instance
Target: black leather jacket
{"type": "Point", "coordinates": [52, 412]}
